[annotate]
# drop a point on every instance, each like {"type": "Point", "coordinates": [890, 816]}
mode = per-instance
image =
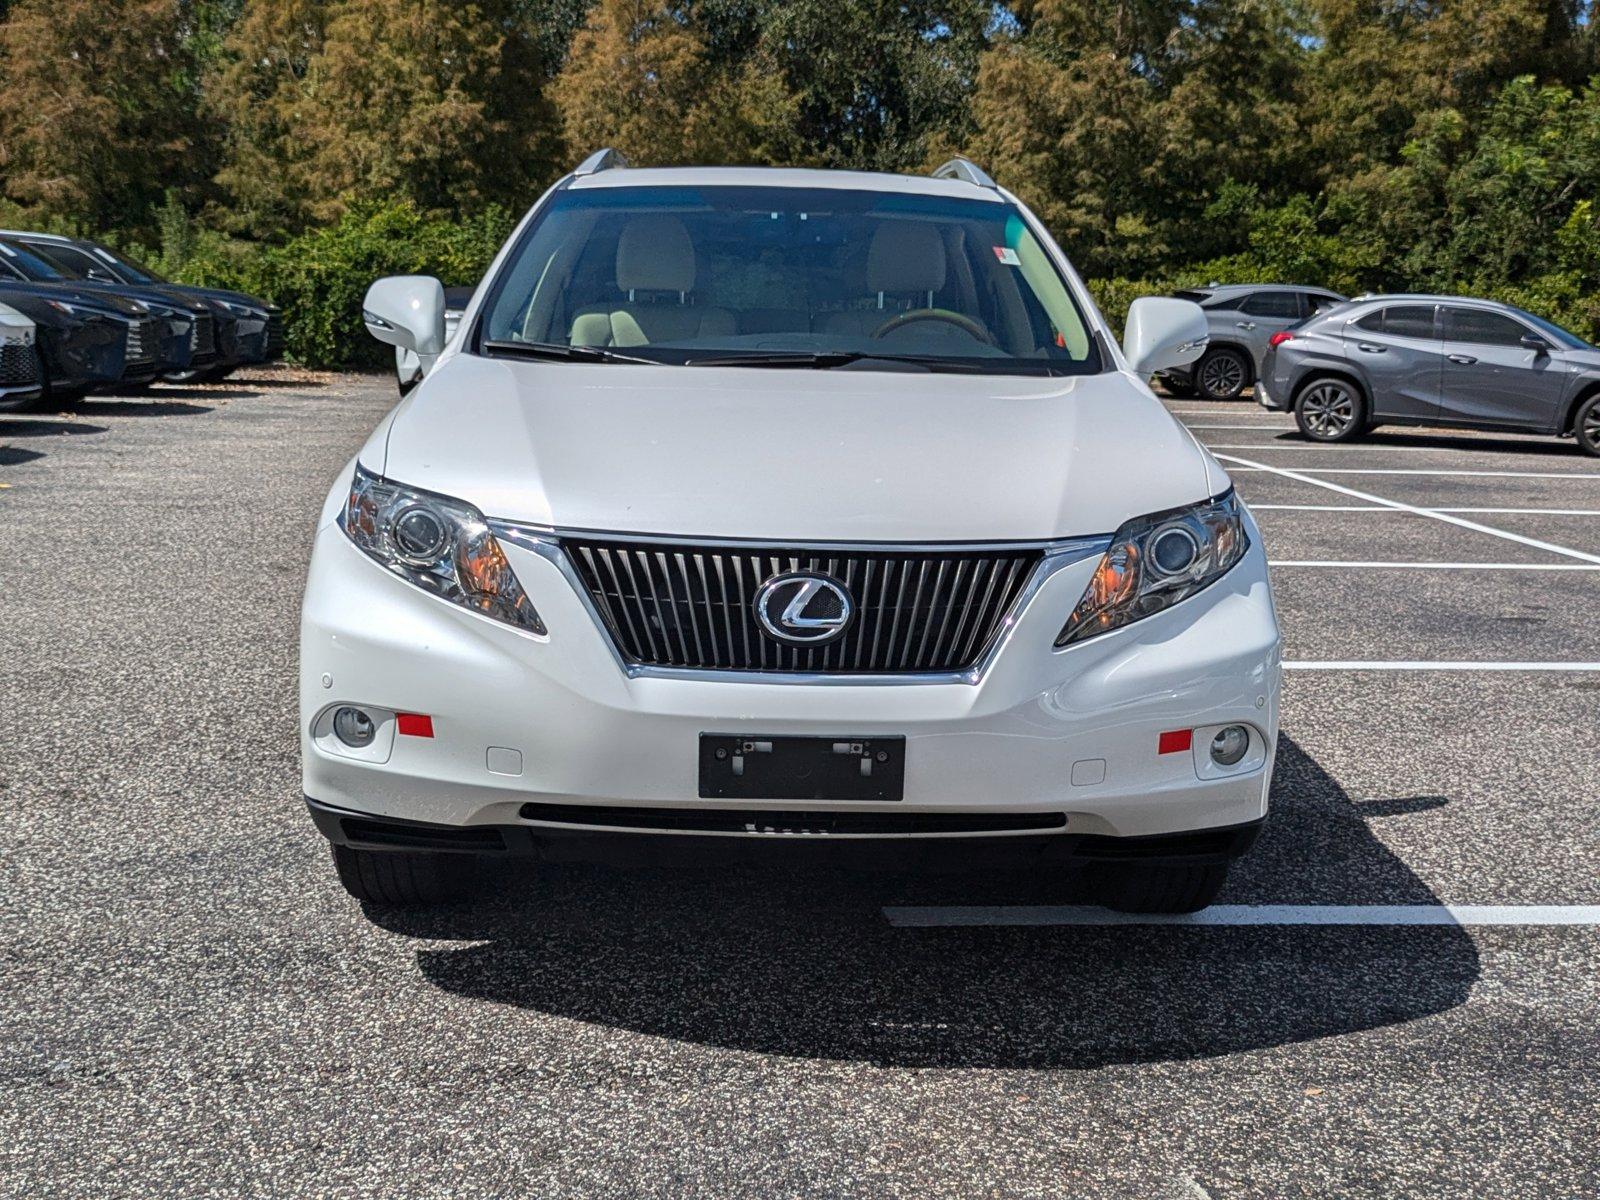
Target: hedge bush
{"type": "Point", "coordinates": [320, 277]}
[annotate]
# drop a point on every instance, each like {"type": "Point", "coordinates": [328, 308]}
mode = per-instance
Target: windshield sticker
{"type": "Point", "coordinates": [1007, 255]}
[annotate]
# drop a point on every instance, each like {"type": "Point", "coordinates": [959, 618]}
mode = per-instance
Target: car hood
{"type": "Point", "coordinates": [169, 297]}
{"type": "Point", "coordinates": [793, 455]}
{"type": "Point", "coordinates": [1586, 360]}
{"type": "Point", "coordinates": [70, 293]}
{"type": "Point", "coordinates": [222, 294]}
{"type": "Point", "coordinates": [11, 319]}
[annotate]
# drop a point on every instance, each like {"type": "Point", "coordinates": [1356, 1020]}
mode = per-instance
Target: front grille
{"type": "Point", "coordinates": [692, 606]}
{"type": "Point", "coordinates": [144, 338]}
{"type": "Point", "coordinates": [203, 338]}
{"type": "Point", "coordinates": [19, 365]}
{"type": "Point", "coordinates": [274, 335]}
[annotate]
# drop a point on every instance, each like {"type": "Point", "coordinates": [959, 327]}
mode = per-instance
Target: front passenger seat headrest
{"type": "Point", "coordinates": [905, 256]}
{"type": "Point", "coordinates": [654, 254]}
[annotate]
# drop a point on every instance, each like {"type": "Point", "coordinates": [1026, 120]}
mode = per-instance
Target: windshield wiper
{"type": "Point", "coordinates": [562, 353]}
{"type": "Point", "coordinates": [827, 360]}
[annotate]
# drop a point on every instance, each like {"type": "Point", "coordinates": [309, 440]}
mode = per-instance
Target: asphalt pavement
{"type": "Point", "coordinates": [191, 1006]}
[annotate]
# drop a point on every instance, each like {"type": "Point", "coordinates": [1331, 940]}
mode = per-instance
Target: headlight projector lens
{"type": "Point", "coordinates": [1230, 745]}
{"type": "Point", "coordinates": [420, 535]}
{"type": "Point", "coordinates": [353, 727]}
{"type": "Point", "coordinates": [1173, 550]}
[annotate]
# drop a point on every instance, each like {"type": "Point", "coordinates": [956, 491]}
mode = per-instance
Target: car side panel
{"type": "Point", "coordinates": [1402, 373]}
{"type": "Point", "coordinates": [1510, 385]}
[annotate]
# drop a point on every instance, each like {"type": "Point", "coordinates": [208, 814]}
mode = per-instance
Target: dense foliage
{"type": "Point", "coordinates": [297, 148]}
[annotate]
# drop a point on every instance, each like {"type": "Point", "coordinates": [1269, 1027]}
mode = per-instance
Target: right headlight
{"type": "Point", "coordinates": [1156, 561]}
{"type": "Point", "coordinates": [441, 545]}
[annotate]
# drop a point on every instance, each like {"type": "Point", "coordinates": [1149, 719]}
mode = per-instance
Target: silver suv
{"type": "Point", "coordinates": [1242, 318]}
{"type": "Point", "coordinates": [1434, 360]}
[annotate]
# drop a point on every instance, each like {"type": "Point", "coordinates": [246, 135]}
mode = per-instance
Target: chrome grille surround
{"type": "Point", "coordinates": [970, 595]}
{"type": "Point", "coordinates": [143, 341]}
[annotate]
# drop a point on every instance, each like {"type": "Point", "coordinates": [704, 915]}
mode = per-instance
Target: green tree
{"type": "Point", "coordinates": [877, 84]}
{"type": "Point", "coordinates": [438, 103]}
{"type": "Point", "coordinates": [644, 77]}
{"type": "Point", "coordinates": [95, 123]}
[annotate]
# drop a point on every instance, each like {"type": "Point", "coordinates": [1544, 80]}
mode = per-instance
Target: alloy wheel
{"type": "Point", "coordinates": [1329, 410]}
{"type": "Point", "coordinates": [1590, 433]}
{"type": "Point", "coordinates": [1222, 375]}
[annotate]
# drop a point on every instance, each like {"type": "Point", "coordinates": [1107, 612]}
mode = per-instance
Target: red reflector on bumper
{"type": "Point", "coordinates": [421, 725]}
{"type": "Point", "coordinates": [1174, 741]}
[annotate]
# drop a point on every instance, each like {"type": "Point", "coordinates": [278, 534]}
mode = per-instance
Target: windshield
{"type": "Point", "coordinates": [131, 270]}
{"type": "Point", "coordinates": [74, 263]}
{"type": "Point", "coordinates": [29, 265]}
{"type": "Point", "coordinates": [687, 275]}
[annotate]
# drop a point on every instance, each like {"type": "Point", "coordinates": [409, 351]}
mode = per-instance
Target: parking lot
{"type": "Point", "coordinates": [191, 1006]}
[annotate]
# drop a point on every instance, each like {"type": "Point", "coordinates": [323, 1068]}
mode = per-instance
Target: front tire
{"type": "Point", "coordinates": [402, 878]}
{"type": "Point", "coordinates": [1222, 374]}
{"type": "Point", "coordinates": [1331, 410]}
{"type": "Point", "coordinates": [1586, 425]}
{"type": "Point", "coordinates": [1159, 887]}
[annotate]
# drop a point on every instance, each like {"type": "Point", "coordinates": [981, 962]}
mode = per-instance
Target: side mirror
{"type": "Point", "coordinates": [1532, 341]}
{"type": "Point", "coordinates": [1163, 333]}
{"type": "Point", "coordinates": [100, 276]}
{"type": "Point", "coordinates": [406, 311]}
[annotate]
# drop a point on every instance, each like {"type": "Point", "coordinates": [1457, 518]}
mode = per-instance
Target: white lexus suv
{"type": "Point", "coordinates": [786, 505]}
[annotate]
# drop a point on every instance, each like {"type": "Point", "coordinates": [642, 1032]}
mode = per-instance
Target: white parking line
{"type": "Point", "coordinates": [932, 916]}
{"type": "Point", "coordinates": [1435, 665]}
{"type": "Point", "coordinates": [1432, 566]}
{"type": "Point", "coordinates": [1255, 428]}
{"type": "Point", "coordinates": [1384, 508]}
{"type": "Point", "coordinates": [1313, 448]}
{"type": "Point", "coordinates": [1417, 471]}
{"type": "Point", "coordinates": [1448, 518]}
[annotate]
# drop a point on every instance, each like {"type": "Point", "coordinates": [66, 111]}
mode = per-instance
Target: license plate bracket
{"type": "Point", "coordinates": [742, 766]}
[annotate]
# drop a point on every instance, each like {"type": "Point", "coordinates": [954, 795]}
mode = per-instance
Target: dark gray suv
{"type": "Point", "coordinates": [1242, 318]}
{"type": "Point", "coordinates": [1433, 360]}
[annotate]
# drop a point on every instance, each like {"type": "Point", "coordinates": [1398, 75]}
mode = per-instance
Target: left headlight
{"type": "Point", "coordinates": [1156, 561]}
{"type": "Point", "coordinates": [439, 544]}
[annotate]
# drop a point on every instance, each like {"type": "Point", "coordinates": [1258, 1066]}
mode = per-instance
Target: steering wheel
{"type": "Point", "coordinates": [964, 323]}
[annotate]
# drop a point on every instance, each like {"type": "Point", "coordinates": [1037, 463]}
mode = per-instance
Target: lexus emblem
{"type": "Point", "coordinates": [803, 608]}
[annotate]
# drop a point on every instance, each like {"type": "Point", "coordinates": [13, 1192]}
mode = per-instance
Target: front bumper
{"type": "Point", "coordinates": [535, 732]}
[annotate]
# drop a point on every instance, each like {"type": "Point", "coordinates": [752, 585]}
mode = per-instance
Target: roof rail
{"type": "Point", "coordinates": [967, 171]}
{"type": "Point", "coordinates": [28, 233]}
{"type": "Point", "coordinates": [601, 160]}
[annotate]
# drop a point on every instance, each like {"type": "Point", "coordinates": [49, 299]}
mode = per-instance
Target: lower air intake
{"type": "Point", "coordinates": [791, 823]}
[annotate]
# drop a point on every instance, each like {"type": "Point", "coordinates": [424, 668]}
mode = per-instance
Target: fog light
{"type": "Point", "coordinates": [1230, 744]}
{"type": "Point", "coordinates": [353, 727]}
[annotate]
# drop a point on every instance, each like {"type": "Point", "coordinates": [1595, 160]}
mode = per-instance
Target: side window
{"type": "Point", "coordinates": [1283, 305]}
{"type": "Point", "coordinates": [1317, 302]}
{"type": "Point", "coordinates": [1400, 320]}
{"type": "Point", "coordinates": [1481, 326]}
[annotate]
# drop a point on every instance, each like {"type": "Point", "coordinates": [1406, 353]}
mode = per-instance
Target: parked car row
{"type": "Point", "coordinates": [100, 320]}
{"type": "Point", "coordinates": [1343, 367]}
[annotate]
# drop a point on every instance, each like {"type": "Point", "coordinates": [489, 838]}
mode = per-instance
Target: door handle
{"type": "Point", "coordinates": [1244, 324]}
{"type": "Point", "coordinates": [1369, 348]}
{"type": "Point", "coordinates": [1466, 360]}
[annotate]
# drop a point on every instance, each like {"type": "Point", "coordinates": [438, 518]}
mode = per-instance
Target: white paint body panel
{"type": "Point", "coordinates": [807, 455]}
{"type": "Point", "coordinates": [14, 327]}
{"type": "Point", "coordinates": [589, 733]}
